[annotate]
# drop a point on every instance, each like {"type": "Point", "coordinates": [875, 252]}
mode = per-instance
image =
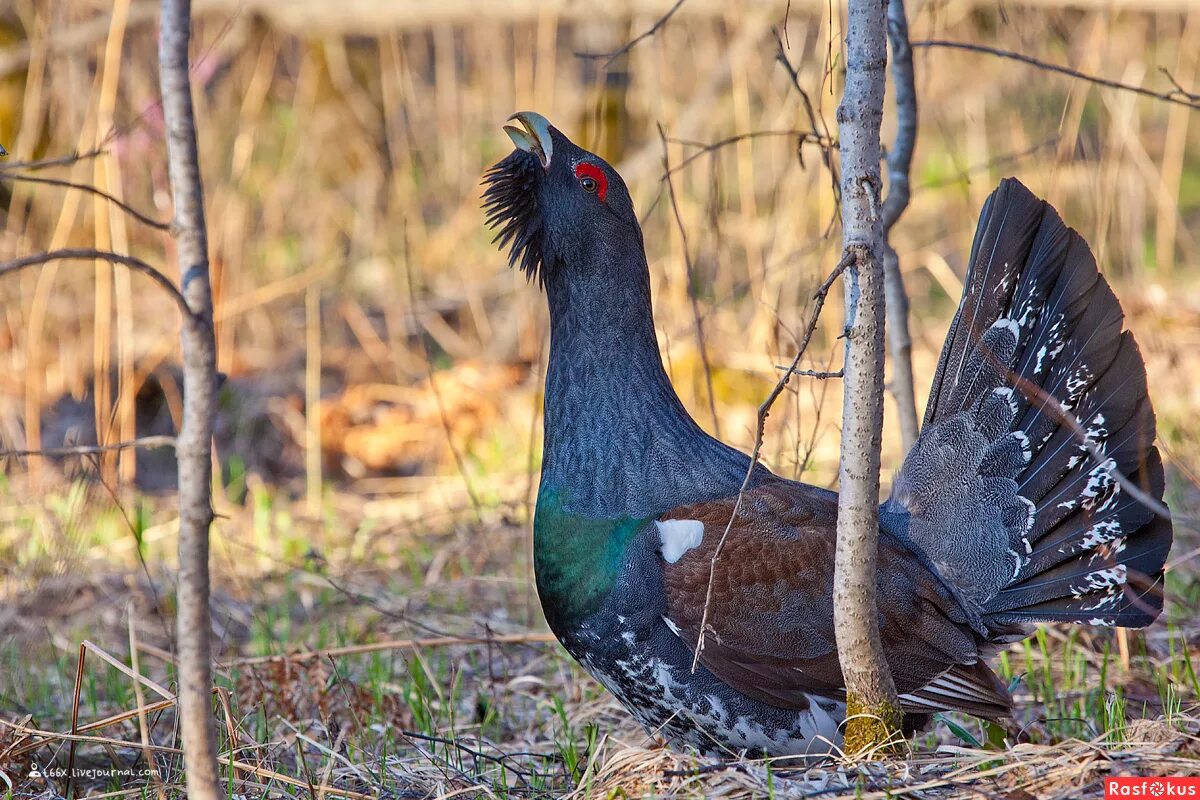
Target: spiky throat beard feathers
{"type": "Point", "coordinates": [510, 202]}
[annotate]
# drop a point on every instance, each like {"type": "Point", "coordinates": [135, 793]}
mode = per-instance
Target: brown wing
{"type": "Point", "coordinates": [770, 621]}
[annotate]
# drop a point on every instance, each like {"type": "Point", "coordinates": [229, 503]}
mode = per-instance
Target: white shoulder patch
{"type": "Point", "coordinates": [677, 536]}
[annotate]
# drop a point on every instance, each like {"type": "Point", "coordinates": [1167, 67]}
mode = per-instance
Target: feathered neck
{"type": "Point", "coordinates": [618, 441]}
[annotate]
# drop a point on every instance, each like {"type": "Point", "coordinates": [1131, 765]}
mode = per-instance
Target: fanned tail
{"type": "Point", "coordinates": [1035, 488]}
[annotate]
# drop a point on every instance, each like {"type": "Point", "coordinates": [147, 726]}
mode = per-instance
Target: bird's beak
{"type": "Point", "coordinates": [533, 136]}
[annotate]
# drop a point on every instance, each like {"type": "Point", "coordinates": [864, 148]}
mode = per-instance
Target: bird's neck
{"type": "Point", "coordinates": [618, 441]}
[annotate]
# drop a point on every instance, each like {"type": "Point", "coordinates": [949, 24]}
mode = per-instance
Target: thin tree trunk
{"type": "Point", "coordinates": [899, 164]}
{"type": "Point", "coordinates": [873, 711]}
{"type": "Point", "coordinates": [194, 445]}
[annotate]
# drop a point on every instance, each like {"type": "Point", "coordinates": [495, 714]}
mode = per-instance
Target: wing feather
{"type": "Point", "coordinates": [769, 629]}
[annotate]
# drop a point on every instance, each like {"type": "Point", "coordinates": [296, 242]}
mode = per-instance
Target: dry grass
{"type": "Point", "coordinates": [335, 168]}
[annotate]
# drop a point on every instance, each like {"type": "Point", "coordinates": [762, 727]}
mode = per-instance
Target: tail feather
{"type": "Point", "coordinates": [1117, 397]}
{"type": "Point", "coordinates": [1004, 491]}
{"type": "Point", "coordinates": [1079, 533]}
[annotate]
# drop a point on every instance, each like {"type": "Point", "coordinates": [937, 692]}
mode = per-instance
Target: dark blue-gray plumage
{"type": "Point", "coordinates": [1002, 515]}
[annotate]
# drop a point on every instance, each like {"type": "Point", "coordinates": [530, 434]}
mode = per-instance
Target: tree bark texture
{"type": "Point", "coordinates": [873, 714]}
{"type": "Point", "coordinates": [194, 444]}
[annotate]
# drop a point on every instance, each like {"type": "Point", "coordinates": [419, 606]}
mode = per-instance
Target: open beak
{"type": "Point", "coordinates": [533, 136]}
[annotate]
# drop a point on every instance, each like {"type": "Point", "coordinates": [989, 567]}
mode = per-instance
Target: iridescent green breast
{"type": "Point", "coordinates": [576, 559]}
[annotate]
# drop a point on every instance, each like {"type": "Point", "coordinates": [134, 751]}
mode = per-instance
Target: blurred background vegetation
{"type": "Point", "coordinates": [379, 432]}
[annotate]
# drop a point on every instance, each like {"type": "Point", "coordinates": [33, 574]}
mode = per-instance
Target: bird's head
{"type": "Point", "coordinates": [556, 206]}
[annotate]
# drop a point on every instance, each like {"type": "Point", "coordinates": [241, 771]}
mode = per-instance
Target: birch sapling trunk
{"type": "Point", "coordinates": [873, 711]}
{"type": "Point", "coordinates": [194, 445]}
{"type": "Point", "coordinates": [899, 164]}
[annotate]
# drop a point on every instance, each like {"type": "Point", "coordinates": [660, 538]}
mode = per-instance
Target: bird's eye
{"type": "Point", "coordinates": [592, 179]}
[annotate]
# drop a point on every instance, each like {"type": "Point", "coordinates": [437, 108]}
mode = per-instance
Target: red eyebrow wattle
{"type": "Point", "coordinates": [583, 168]}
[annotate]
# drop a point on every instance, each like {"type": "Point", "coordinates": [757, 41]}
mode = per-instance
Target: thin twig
{"type": "Point", "coordinates": [92, 254]}
{"type": "Point", "coordinates": [1178, 95]}
{"type": "Point", "coordinates": [75, 717]}
{"type": "Point", "coordinates": [91, 450]}
{"type": "Point", "coordinates": [691, 291]}
{"type": "Point", "coordinates": [459, 462]}
{"type": "Point", "coordinates": [83, 187]}
{"type": "Point", "coordinates": [813, 118]}
{"type": "Point", "coordinates": [44, 163]}
{"type": "Point", "coordinates": [802, 137]}
{"type": "Point", "coordinates": [1179, 90]}
{"type": "Point", "coordinates": [613, 55]}
{"type": "Point", "coordinates": [812, 373]}
{"type": "Point", "coordinates": [395, 644]}
{"type": "Point", "coordinates": [1004, 159]}
{"type": "Point", "coordinates": [759, 432]}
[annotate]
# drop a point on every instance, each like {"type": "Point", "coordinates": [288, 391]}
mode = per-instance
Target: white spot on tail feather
{"type": "Point", "coordinates": [1009, 397]}
{"type": "Point", "coordinates": [1096, 432]}
{"type": "Point", "coordinates": [1026, 311]}
{"type": "Point", "coordinates": [1029, 520]}
{"type": "Point", "coordinates": [1052, 347]}
{"type": "Point", "coordinates": [678, 536]}
{"type": "Point", "coordinates": [1017, 563]}
{"type": "Point", "coordinates": [1101, 533]}
{"type": "Point", "coordinates": [1078, 380]}
{"type": "Point", "coordinates": [1101, 490]}
{"type": "Point", "coordinates": [1026, 449]}
{"type": "Point", "coordinates": [1010, 325]}
{"type": "Point", "coordinates": [1108, 580]}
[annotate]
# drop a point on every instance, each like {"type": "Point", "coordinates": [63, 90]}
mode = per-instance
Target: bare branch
{"type": "Point", "coordinates": [992, 163]}
{"type": "Point", "coordinates": [1179, 90]}
{"type": "Point", "coordinates": [812, 373]}
{"type": "Point", "coordinates": [802, 137]}
{"type": "Point", "coordinates": [612, 56]}
{"type": "Point", "coordinates": [764, 411]}
{"type": "Point", "coordinates": [899, 166]}
{"type": "Point", "coordinates": [813, 119]}
{"type": "Point", "coordinates": [45, 163]}
{"type": "Point", "coordinates": [900, 156]}
{"type": "Point", "coordinates": [459, 461]}
{"type": "Point", "coordinates": [1177, 95]}
{"type": "Point", "coordinates": [146, 442]}
{"type": "Point", "coordinates": [91, 254]}
{"type": "Point", "coordinates": [193, 450]}
{"type": "Point", "coordinates": [83, 187]}
{"type": "Point", "coordinates": [536, 637]}
{"type": "Point", "coordinates": [691, 292]}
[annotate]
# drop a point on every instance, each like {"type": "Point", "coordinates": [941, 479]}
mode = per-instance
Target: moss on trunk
{"type": "Point", "coordinates": [871, 727]}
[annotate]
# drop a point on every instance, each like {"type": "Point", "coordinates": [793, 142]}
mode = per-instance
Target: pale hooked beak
{"type": "Point", "coordinates": [533, 136]}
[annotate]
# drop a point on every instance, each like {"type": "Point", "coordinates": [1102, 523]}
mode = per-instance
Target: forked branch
{"type": "Point", "coordinates": [1177, 95]}
{"type": "Point", "coordinates": [613, 55]}
{"type": "Point", "coordinates": [93, 255]}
